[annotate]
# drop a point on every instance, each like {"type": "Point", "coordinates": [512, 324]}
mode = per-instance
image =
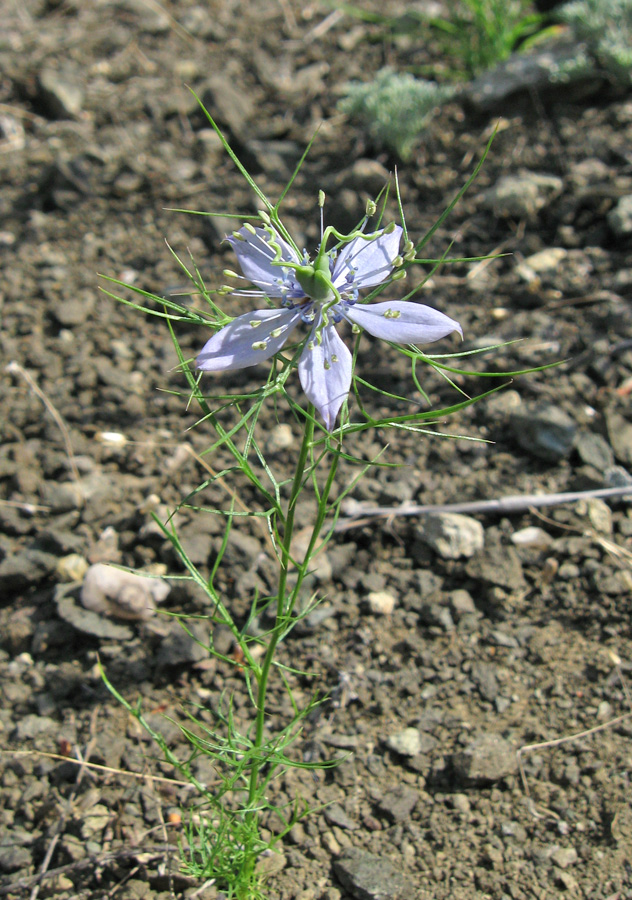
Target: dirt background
{"type": "Point", "coordinates": [479, 655]}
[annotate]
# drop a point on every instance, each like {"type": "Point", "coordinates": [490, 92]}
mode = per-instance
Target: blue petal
{"type": "Point", "coordinates": [402, 322]}
{"type": "Point", "coordinates": [364, 263]}
{"type": "Point", "coordinates": [255, 256]}
{"type": "Point", "coordinates": [325, 372]}
{"type": "Point", "coordinates": [248, 340]}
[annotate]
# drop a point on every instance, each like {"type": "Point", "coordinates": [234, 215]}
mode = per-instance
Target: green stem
{"type": "Point", "coordinates": [281, 613]}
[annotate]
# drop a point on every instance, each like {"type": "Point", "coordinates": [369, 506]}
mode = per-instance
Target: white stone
{"type": "Point", "coordinates": [123, 594]}
{"type": "Point", "coordinates": [406, 742]}
{"type": "Point", "coordinates": [280, 438]}
{"type": "Point", "coordinates": [452, 535]}
{"type": "Point", "coordinates": [532, 536]}
{"type": "Point", "coordinates": [381, 603]}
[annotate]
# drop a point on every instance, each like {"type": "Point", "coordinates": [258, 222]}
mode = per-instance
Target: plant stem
{"type": "Point", "coordinates": [281, 614]}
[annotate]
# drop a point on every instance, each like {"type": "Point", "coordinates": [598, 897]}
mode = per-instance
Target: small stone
{"type": "Point", "coordinates": [487, 758]}
{"type": "Point", "coordinates": [522, 196]}
{"type": "Point", "coordinates": [545, 432]}
{"type": "Point", "coordinates": [72, 567]}
{"type": "Point", "coordinates": [381, 603]}
{"type": "Point", "coordinates": [532, 536]}
{"type": "Point", "coordinates": [461, 603]}
{"type": "Point", "coordinates": [620, 218]}
{"type": "Point", "coordinates": [369, 877]}
{"type": "Point", "coordinates": [484, 677]}
{"type": "Point", "coordinates": [594, 450]}
{"type": "Point", "coordinates": [85, 620]}
{"type": "Point", "coordinates": [14, 854]}
{"type": "Point", "coordinates": [31, 725]}
{"type": "Point", "coordinates": [336, 815]}
{"type": "Point", "coordinates": [452, 535]}
{"type": "Point", "coordinates": [406, 742]}
{"type": "Point", "coordinates": [121, 594]}
{"type": "Point", "coordinates": [399, 803]}
{"type": "Point", "coordinates": [546, 260]}
{"type": "Point", "coordinates": [280, 438]}
{"type": "Point", "coordinates": [563, 857]}
{"type": "Point", "coordinates": [60, 92]}
{"type": "Point", "coordinates": [620, 434]}
{"type": "Point", "coordinates": [461, 803]}
{"type": "Point", "coordinates": [179, 647]}
{"type": "Point", "coordinates": [600, 515]}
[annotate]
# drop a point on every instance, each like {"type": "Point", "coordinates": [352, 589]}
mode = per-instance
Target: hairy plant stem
{"type": "Point", "coordinates": [286, 603]}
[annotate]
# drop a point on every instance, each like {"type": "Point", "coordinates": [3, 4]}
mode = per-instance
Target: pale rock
{"type": "Point", "coordinates": [406, 742]}
{"type": "Point", "coordinates": [280, 438]}
{"type": "Point", "coordinates": [532, 536]}
{"type": "Point", "coordinates": [121, 594]}
{"type": "Point", "coordinates": [381, 603]}
{"type": "Point", "coordinates": [452, 535]}
{"type": "Point", "coordinates": [72, 567]}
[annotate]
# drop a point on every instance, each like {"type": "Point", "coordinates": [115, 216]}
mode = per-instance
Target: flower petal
{"type": "Point", "coordinates": [255, 256]}
{"type": "Point", "coordinates": [402, 322]}
{"type": "Point", "coordinates": [325, 372]}
{"type": "Point", "coordinates": [364, 263]}
{"type": "Point", "coordinates": [248, 340]}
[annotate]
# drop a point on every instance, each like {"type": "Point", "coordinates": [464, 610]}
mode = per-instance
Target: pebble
{"type": "Point", "coordinates": [498, 564]}
{"type": "Point", "coordinates": [452, 535]}
{"type": "Point", "coordinates": [369, 877]}
{"type": "Point", "coordinates": [398, 804]}
{"type": "Point", "coordinates": [61, 92]}
{"type": "Point", "coordinates": [72, 567]}
{"type": "Point", "coordinates": [280, 438]}
{"type": "Point", "coordinates": [620, 434]}
{"type": "Point", "coordinates": [31, 725]}
{"type": "Point", "coordinates": [381, 603]}
{"type": "Point", "coordinates": [406, 742]}
{"type": "Point", "coordinates": [546, 260]}
{"type": "Point", "coordinates": [487, 758]}
{"type": "Point", "coordinates": [121, 594]}
{"type": "Point", "coordinates": [620, 218]}
{"type": "Point", "coordinates": [532, 536]}
{"type": "Point", "coordinates": [545, 432]}
{"type": "Point", "coordinates": [594, 450]}
{"type": "Point", "coordinates": [563, 857]}
{"type": "Point", "coordinates": [85, 620]}
{"type": "Point", "coordinates": [522, 196]}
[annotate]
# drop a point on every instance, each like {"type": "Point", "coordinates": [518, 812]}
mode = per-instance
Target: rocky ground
{"type": "Point", "coordinates": [447, 645]}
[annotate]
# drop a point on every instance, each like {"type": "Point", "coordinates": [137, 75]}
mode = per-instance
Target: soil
{"type": "Point", "coordinates": [440, 666]}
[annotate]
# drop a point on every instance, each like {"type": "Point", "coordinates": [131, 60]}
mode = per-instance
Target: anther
{"type": "Point", "coordinates": [259, 345]}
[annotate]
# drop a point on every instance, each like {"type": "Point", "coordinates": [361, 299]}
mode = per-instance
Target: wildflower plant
{"type": "Point", "coordinates": [309, 313]}
{"type": "Point", "coordinates": [605, 27]}
{"type": "Point", "coordinates": [394, 107]}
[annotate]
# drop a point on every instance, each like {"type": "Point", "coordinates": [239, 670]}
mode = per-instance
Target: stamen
{"type": "Point", "coordinates": [334, 358]}
{"type": "Point", "coordinates": [259, 345]}
{"type": "Point", "coordinates": [392, 314]}
{"type": "Point", "coordinates": [327, 365]}
{"type": "Point", "coordinates": [277, 332]}
{"type": "Point", "coordinates": [250, 228]}
{"type": "Point", "coordinates": [255, 323]}
{"type": "Point", "coordinates": [355, 328]}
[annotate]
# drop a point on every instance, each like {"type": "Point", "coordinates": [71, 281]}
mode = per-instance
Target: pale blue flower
{"type": "Point", "coordinates": [322, 295]}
